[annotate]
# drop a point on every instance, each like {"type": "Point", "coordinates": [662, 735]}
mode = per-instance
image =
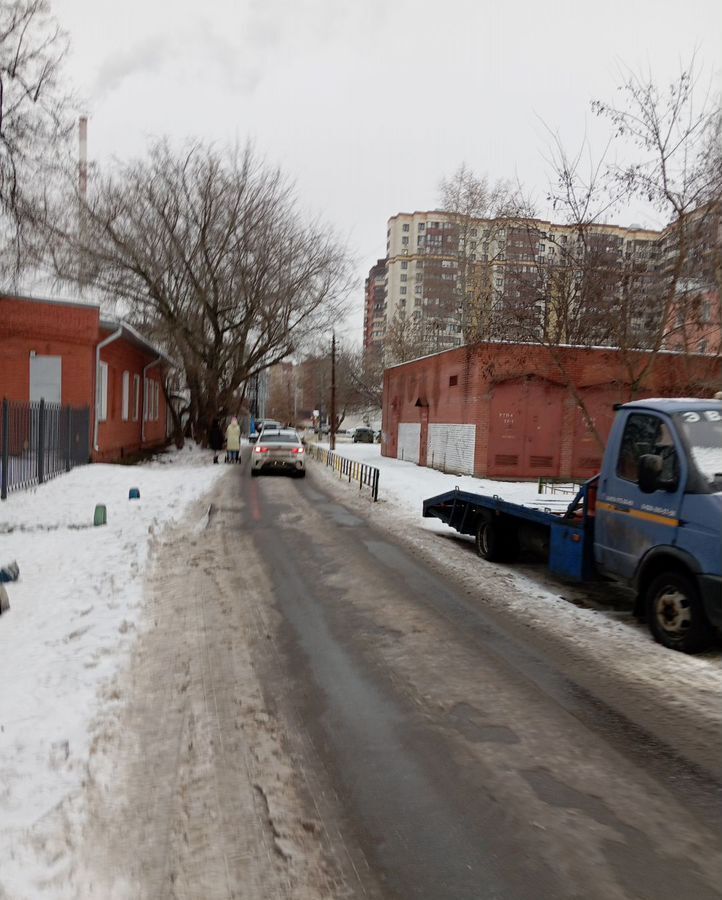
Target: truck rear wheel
{"type": "Point", "coordinates": [496, 541]}
{"type": "Point", "coordinates": [675, 614]}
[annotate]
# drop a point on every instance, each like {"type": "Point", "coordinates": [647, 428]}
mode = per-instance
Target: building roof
{"type": "Point", "coordinates": [136, 338]}
{"type": "Point", "coordinates": [82, 304]}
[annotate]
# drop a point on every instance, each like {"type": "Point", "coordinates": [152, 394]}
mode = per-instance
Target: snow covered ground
{"type": "Point", "coordinates": [76, 610]}
{"type": "Point", "coordinates": [70, 627]}
{"type": "Point", "coordinates": [407, 485]}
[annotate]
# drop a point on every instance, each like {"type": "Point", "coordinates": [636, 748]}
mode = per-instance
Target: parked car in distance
{"type": "Point", "coordinates": [279, 449]}
{"type": "Point", "coordinates": [260, 425]}
{"type": "Point", "coordinates": [363, 436]}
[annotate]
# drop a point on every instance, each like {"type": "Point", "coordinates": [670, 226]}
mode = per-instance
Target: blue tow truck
{"type": "Point", "coordinates": [651, 519]}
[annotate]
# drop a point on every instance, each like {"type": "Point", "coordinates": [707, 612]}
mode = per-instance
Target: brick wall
{"type": "Point", "coordinates": [118, 437]}
{"type": "Point", "coordinates": [72, 331]}
{"type": "Point", "coordinates": [527, 422]}
{"type": "Point", "coordinates": [49, 329]}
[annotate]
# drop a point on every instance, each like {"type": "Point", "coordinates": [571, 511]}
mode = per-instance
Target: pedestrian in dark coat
{"type": "Point", "coordinates": [215, 437]}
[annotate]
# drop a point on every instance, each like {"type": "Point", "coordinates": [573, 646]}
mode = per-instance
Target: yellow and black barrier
{"type": "Point", "coordinates": [352, 469]}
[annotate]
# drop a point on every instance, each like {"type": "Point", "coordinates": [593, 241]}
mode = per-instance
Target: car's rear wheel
{"type": "Point", "coordinates": [301, 473]}
{"type": "Point", "coordinates": [255, 473]}
{"type": "Point", "coordinates": [675, 613]}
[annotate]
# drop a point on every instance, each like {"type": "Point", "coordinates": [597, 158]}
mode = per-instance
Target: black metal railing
{"type": "Point", "coordinates": [348, 468]}
{"type": "Point", "coordinates": [39, 441]}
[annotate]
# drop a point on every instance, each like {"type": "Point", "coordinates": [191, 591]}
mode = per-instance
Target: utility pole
{"type": "Point", "coordinates": [332, 436]}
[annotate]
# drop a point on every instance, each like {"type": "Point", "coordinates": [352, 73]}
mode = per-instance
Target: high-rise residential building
{"type": "Point", "coordinates": [375, 307]}
{"type": "Point", "coordinates": [449, 277]}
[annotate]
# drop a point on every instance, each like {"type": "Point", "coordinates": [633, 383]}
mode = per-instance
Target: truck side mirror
{"type": "Point", "coordinates": [649, 469]}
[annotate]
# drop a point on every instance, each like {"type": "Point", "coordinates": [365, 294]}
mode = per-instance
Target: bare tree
{"type": "Point", "coordinates": [584, 283]}
{"type": "Point", "coordinates": [207, 250]}
{"type": "Point", "coordinates": [674, 133]}
{"type": "Point", "coordinates": [34, 119]}
{"type": "Point", "coordinates": [367, 375]}
{"type": "Point", "coordinates": [406, 338]}
{"type": "Point", "coordinates": [480, 211]}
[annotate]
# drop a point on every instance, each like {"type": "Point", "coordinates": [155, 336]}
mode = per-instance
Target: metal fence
{"type": "Point", "coordinates": [554, 486]}
{"type": "Point", "coordinates": [39, 441]}
{"type": "Point", "coordinates": [350, 468]}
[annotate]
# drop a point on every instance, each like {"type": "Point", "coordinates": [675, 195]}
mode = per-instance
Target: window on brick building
{"type": "Point", "coordinates": [453, 380]}
{"type": "Point", "coordinates": [125, 402]}
{"type": "Point", "coordinates": [148, 399]}
{"type": "Point", "coordinates": [405, 227]}
{"type": "Point", "coordinates": [404, 264]}
{"type": "Point", "coordinates": [101, 400]}
{"type": "Point", "coordinates": [136, 397]}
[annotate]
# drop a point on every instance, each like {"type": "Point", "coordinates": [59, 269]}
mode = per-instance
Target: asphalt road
{"type": "Point", "coordinates": [460, 760]}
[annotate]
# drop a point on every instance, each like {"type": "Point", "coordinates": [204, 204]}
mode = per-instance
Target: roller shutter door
{"type": "Point", "coordinates": [451, 448]}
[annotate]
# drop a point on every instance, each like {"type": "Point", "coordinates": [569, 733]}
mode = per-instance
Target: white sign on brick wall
{"type": "Point", "coordinates": [451, 448]}
{"type": "Point", "coordinates": [409, 438]}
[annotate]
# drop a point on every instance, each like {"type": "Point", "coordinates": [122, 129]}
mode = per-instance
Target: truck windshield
{"type": "Point", "coordinates": [703, 430]}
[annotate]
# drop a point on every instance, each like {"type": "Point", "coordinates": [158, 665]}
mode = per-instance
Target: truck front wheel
{"type": "Point", "coordinates": [675, 614]}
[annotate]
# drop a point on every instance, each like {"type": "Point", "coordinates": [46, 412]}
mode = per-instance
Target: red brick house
{"type": "Point", "coordinates": [503, 410]}
{"type": "Point", "coordinates": [65, 353]}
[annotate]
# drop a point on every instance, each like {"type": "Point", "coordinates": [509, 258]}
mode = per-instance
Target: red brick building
{"type": "Point", "coordinates": [64, 353]}
{"type": "Point", "coordinates": [505, 411]}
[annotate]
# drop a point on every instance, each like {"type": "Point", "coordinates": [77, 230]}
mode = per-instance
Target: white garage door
{"type": "Point", "coordinates": [451, 448]}
{"type": "Point", "coordinates": [409, 437]}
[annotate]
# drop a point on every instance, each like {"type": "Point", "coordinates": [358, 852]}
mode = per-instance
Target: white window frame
{"type": "Point", "coordinates": [146, 398]}
{"type": "Point", "coordinates": [156, 400]}
{"type": "Point", "coordinates": [136, 397]}
{"type": "Point", "coordinates": [125, 403]}
{"type": "Point", "coordinates": [101, 398]}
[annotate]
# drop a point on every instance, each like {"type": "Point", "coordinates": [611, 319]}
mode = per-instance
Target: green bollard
{"type": "Point", "coordinates": [101, 515]}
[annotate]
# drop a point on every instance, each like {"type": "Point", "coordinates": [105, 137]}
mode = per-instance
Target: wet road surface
{"type": "Point", "coordinates": [466, 765]}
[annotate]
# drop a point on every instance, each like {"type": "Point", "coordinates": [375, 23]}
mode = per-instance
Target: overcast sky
{"type": "Point", "coordinates": [367, 104]}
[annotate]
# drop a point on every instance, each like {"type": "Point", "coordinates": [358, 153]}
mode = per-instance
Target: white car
{"type": "Point", "coordinates": [279, 449]}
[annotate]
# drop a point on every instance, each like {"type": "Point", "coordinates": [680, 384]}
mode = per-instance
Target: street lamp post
{"type": "Point", "coordinates": [332, 435]}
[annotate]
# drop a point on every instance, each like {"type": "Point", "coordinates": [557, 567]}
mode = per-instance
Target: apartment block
{"type": "Point", "coordinates": [375, 307]}
{"type": "Point", "coordinates": [448, 276]}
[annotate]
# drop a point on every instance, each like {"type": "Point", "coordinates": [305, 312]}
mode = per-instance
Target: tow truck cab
{"type": "Point", "coordinates": [658, 515]}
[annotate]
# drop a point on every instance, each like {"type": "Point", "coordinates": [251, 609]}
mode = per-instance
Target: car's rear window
{"type": "Point", "coordinates": [279, 439]}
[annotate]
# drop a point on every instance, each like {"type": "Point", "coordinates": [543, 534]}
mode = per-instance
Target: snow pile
{"type": "Point", "coordinates": [406, 485]}
{"type": "Point", "coordinates": [71, 624]}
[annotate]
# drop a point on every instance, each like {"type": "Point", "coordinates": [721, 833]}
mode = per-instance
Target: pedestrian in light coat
{"type": "Point", "coordinates": [233, 440]}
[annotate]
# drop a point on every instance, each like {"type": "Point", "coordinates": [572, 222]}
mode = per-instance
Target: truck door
{"type": "Point", "coordinates": [629, 522]}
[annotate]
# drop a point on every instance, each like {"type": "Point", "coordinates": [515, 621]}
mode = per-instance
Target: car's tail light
{"type": "Point", "coordinates": [260, 449]}
{"type": "Point", "coordinates": [298, 450]}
